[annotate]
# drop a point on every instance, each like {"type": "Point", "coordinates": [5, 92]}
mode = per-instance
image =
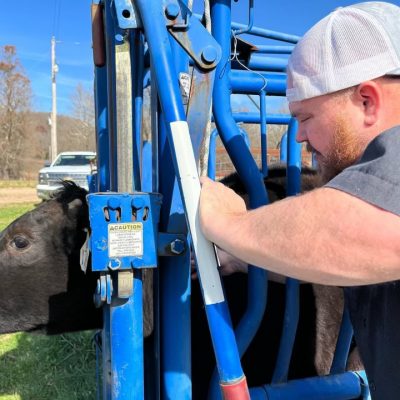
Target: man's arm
{"type": "Point", "coordinates": [325, 236]}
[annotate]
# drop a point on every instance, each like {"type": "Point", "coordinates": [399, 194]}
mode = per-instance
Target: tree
{"type": "Point", "coordinates": [15, 102]}
{"type": "Point", "coordinates": [82, 133]}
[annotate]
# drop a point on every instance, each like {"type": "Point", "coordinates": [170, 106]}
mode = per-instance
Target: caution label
{"type": "Point", "coordinates": [125, 240]}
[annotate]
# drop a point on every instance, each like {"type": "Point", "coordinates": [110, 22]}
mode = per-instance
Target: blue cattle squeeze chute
{"type": "Point", "coordinates": [163, 76]}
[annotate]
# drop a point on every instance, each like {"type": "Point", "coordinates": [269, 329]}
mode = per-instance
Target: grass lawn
{"type": "Point", "coordinates": [38, 367]}
{"type": "Point", "coordinates": [9, 212]}
{"type": "Point", "coordinates": [17, 183]}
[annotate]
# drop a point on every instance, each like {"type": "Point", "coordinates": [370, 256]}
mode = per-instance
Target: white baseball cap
{"type": "Point", "coordinates": [351, 45]}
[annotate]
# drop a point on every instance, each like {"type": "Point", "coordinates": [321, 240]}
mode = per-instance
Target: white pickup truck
{"type": "Point", "coordinates": [70, 165]}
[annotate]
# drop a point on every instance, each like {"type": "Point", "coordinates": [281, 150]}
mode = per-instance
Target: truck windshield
{"type": "Point", "coordinates": [74, 159]}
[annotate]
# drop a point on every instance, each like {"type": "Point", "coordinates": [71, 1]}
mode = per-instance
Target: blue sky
{"type": "Point", "coordinates": [30, 25]}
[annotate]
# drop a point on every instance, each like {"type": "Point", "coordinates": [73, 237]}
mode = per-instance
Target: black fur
{"type": "Point", "coordinates": [42, 286]}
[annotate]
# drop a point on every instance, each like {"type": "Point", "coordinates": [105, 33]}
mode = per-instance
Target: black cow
{"type": "Point", "coordinates": [43, 287]}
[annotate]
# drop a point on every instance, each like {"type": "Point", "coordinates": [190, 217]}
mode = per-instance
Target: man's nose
{"type": "Point", "coordinates": [301, 135]}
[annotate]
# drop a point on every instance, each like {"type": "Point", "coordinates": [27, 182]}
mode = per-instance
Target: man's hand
{"type": "Point", "coordinates": [228, 264]}
{"type": "Point", "coordinates": [218, 205]}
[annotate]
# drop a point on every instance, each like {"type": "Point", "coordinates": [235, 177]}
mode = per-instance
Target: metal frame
{"type": "Point", "coordinates": [157, 41]}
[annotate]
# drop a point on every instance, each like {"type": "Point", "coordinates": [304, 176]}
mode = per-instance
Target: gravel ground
{"type": "Point", "coordinates": [18, 195]}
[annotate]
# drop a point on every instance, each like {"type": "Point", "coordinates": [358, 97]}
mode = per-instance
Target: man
{"type": "Point", "coordinates": [343, 87]}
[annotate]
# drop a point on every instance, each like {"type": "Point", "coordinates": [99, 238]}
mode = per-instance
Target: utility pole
{"type": "Point", "coordinates": [54, 70]}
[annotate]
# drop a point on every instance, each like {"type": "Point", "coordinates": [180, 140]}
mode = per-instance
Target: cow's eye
{"type": "Point", "coordinates": [20, 242]}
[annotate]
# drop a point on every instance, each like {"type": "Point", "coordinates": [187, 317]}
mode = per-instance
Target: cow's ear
{"type": "Point", "coordinates": [74, 206]}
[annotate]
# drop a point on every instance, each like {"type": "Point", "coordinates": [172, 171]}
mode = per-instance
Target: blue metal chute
{"type": "Point", "coordinates": [162, 46]}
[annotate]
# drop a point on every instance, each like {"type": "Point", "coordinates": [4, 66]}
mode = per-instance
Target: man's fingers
{"type": "Point", "coordinates": [204, 179]}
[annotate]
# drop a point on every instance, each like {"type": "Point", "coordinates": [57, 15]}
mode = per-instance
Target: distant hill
{"type": "Point", "coordinates": [72, 134]}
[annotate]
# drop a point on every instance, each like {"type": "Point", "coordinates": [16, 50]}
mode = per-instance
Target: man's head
{"type": "Point", "coordinates": [340, 82]}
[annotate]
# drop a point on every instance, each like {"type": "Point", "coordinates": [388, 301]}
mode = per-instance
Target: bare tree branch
{"type": "Point", "coordinates": [15, 102]}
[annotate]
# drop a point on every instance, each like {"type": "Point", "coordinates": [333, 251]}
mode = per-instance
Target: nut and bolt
{"type": "Point", "coordinates": [209, 54]}
{"type": "Point", "coordinates": [172, 10]}
{"type": "Point", "coordinates": [178, 246]}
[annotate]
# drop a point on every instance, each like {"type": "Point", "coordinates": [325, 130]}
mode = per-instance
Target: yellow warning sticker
{"type": "Point", "coordinates": [125, 239]}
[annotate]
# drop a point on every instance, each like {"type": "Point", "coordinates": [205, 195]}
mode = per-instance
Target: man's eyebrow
{"type": "Point", "coordinates": [299, 114]}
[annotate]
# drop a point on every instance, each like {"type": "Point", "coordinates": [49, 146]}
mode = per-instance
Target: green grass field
{"type": "Point", "coordinates": [39, 367]}
{"type": "Point", "coordinates": [16, 183]}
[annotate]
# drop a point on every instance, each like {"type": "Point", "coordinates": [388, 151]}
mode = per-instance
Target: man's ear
{"type": "Point", "coordinates": [369, 96]}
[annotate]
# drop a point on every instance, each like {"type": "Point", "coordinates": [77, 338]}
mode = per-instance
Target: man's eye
{"type": "Point", "coordinates": [19, 242]}
{"type": "Point", "coordinates": [305, 119]}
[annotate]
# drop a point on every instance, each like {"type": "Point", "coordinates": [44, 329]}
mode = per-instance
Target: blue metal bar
{"type": "Point", "coordinates": [161, 54]}
{"type": "Point", "coordinates": [147, 173]}
{"type": "Point", "coordinates": [365, 393]}
{"type": "Point", "coordinates": [137, 67]}
{"type": "Point", "coordinates": [291, 316]}
{"type": "Point", "coordinates": [108, 154]}
{"type": "Point", "coordinates": [266, 63]}
{"type": "Point", "coordinates": [106, 353]}
{"type": "Point", "coordinates": [251, 20]}
{"type": "Point", "coordinates": [345, 386]}
{"type": "Point", "coordinates": [242, 159]}
{"type": "Point", "coordinates": [254, 118]}
{"type": "Point", "coordinates": [176, 284]}
{"type": "Point", "coordinates": [111, 100]}
{"type": "Point", "coordinates": [238, 152]}
{"type": "Point", "coordinates": [294, 160]}
{"type": "Point", "coordinates": [227, 355]}
{"type": "Point", "coordinates": [152, 343]}
{"type": "Point", "coordinates": [175, 339]}
{"type": "Point", "coordinates": [273, 49]}
{"type": "Point", "coordinates": [249, 82]}
{"type": "Point", "coordinates": [263, 132]}
{"type": "Point", "coordinates": [266, 33]}
{"type": "Point", "coordinates": [122, 331]}
{"type": "Point", "coordinates": [343, 344]}
{"type": "Point", "coordinates": [212, 159]}
{"type": "Point", "coordinates": [290, 321]}
{"type": "Point", "coordinates": [103, 167]}
{"type": "Point", "coordinates": [160, 51]}
{"type": "Point", "coordinates": [154, 107]}
{"type": "Point", "coordinates": [244, 164]}
{"type": "Point", "coordinates": [283, 148]}
{"type": "Point", "coordinates": [126, 329]}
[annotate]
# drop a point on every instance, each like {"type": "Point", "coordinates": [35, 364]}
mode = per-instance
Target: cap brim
{"type": "Point", "coordinates": [394, 72]}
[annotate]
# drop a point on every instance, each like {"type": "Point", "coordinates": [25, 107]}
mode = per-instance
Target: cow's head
{"type": "Point", "coordinates": [41, 284]}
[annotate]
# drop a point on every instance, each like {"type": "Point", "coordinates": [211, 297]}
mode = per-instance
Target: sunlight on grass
{"type": "Point", "coordinates": [17, 184]}
{"type": "Point", "coordinates": [8, 342]}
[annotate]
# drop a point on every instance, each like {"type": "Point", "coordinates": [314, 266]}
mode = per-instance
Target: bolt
{"type": "Point", "coordinates": [113, 203]}
{"type": "Point", "coordinates": [119, 38]}
{"type": "Point", "coordinates": [177, 246]}
{"type": "Point", "coordinates": [97, 295]}
{"type": "Point", "coordinates": [98, 286]}
{"type": "Point", "coordinates": [137, 203]}
{"type": "Point", "coordinates": [114, 263]}
{"type": "Point", "coordinates": [101, 244]}
{"type": "Point", "coordinates": [209, 54]}
{"type": "Point", "coordinates": [172, 10]}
